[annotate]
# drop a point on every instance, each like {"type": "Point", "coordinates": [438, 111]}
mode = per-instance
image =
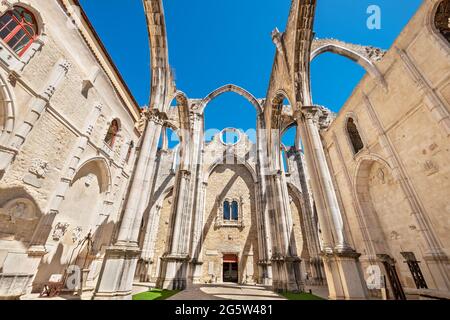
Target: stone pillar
{"type": "Point", "coordinates": [197, 197]}
{"type": "Point", "coordinates": [263, 212]}
{"type": "Point", "coordinates": [345, 281]}
{"type": "Point", "coordinates": [175, 262]}
{"type": "Point", "coordinates": [116, 278]}
{"type": "Point", "coordinates": [37, 109]}
{"type": "Point", "coordinates": [309, 226]}
{"type": "Point", "coordinates": [284, 260]}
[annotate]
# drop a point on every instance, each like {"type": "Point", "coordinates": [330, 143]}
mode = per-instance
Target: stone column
{"type": "Point", "coordinates": [263, 212]}
{"type": "Point", "coordinates": [175, 262]}
{"type": "Point", "coordinates": [198, 196]}
{"type": "Point", "coordinates": [151, 233]}
{"type": "Point", "coordinates": [285, 261]}
{"type": "Point", "coordinates": [116, 278]}
{"type": "Point", "coordinates": [341, 264]}
{"type": "Point", "coordinates": [174, 271]}
{"type": "Point", "coordinates": [140, 188]}
{"type": "Point", "coordinates": [37, 109]}
{"type": "Point", "coordinates": [309, 226]}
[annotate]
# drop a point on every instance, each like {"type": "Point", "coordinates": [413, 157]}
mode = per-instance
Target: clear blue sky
{"type": "Point", "coordinates": [215, 42]}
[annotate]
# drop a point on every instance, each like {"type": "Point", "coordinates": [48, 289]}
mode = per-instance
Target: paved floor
{"type": "Point", "coordinates": [226, 292]}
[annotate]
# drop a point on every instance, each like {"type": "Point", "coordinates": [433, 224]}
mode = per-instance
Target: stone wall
{"type": "Point", "coordinates": [230, 182]}
{"type": "Point", "coordinates": [395, 190]}
{"type": "Point", "coordinates": [62, 173]}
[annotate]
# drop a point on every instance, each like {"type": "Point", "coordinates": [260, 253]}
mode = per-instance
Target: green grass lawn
{"type": "Point", "coordinates": [300, 296]}
{"type": "Point", "coordinates": [155, 294]}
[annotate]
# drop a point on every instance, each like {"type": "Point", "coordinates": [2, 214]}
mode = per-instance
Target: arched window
{"type": "Point", "coordinates": [234, 211]}
{"type": "Point", "coordinates": [112, 133]}
{"type": "Point", "coordinates": [226, 211]}
{"type": "Point", "coordinates": [130, 150]}
{"type": "Point", "coordinates": [18, 28]}
{"type": "Point", "coordinates": [354, 136]}
{"type": "Point", "coordinates": [442, 19]}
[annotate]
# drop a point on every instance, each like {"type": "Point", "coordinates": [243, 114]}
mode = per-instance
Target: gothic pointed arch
{"type": "Point", "coordinates": [162, 80]}
{"type": "Point", "coordinates": [220, 161]}
{"type": "Point", "coordinates": [102, 171]}
{"type": "Point", "coordinates": [231, 88]}
{"type": "Point", "coordinates": [440, 21]}
{"type": "Point", "coordinates": [365, 56]}
{"type": "Point", "coordinates": [275, 120]}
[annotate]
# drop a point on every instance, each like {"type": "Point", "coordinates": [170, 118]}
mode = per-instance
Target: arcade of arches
{"type": "Point", "coordinates": [357, 201]}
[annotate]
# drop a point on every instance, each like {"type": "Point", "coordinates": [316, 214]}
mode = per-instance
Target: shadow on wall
{"type": "Point", "coordinates": [19, 215]}
{"type": "Point", "coordinates": [210, 219]}
{"type": "Point", "coordinates": [68, 253]}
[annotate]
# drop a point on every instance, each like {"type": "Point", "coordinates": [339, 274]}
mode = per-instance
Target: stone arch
{"type": "Point", "coordinates": [231, 88]}
{"type": "Point", "coordinates": [274, 121]}
{"type": "Point", "coordinates": [183, 130]}
{"type": "Point", "coordinates": [354, 53]}
{"type": "Point", "coordinates": [183, 110]}
{"type": "Point", "coordinates": [361, 187]}
{"type": "Point", "coordinates": [105, 177]}
{"type": "Point", "coordinates": [161, 76]}
{"type": "Point", "coordinates": [430, 23]}
{"type": "Point", "coordinates": [220, 161]}
{"type": "Point", "coordinates": [19, 216]}
{"type": "Point", "coordinates": [7, 110]}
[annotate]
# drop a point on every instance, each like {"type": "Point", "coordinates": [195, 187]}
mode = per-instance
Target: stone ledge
{"type": "Point", "coordinates": [429, 293]}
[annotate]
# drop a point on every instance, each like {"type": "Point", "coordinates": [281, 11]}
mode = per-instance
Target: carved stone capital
{"type": "Point", "coordinates": [311, 113]}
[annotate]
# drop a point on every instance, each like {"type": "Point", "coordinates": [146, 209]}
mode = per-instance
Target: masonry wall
{"type": "Point", "coordinates": [43, 161]}
{"type": "Point", "coordinates": [233, 182]}
{"type": "Point", "coordinates": [405, 131]}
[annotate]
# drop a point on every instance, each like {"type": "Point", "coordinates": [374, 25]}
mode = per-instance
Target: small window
{"type": "Point", "coordinates": [226, 211]}
{"type": "Point", "coordinates": [111, 136]}
{"type": "Point", "coordinates": [234, 211]}
{"type": "Point", "coordinates": [18, 28]}
{"type": "Point", "coordinates": [442, 19]}
{"type": "Point", "coordinates": [354, 136]}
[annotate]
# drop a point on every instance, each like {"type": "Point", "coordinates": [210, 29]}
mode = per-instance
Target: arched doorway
{"type": "Point", "coordinates": [79, 218]}
{"type": "Point", "coordinates": [390, 225]}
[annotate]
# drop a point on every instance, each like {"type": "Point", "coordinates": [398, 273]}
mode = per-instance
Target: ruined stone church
{"type": "Point", "coordinates": [89, 186]}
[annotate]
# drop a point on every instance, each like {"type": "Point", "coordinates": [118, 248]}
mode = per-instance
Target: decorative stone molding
{"type": "Point", "coordinates": [59, 231]}
{"type": "Point", "coordinates": [39, 168]}
{"type": "Point", "coordinates": [431, 167]}
{"type": "Point", "coordinates": [76, 234]}
{"type": "Point", "coordinates": [368, 52]}
{"type": "Point", "coordinates": [19, 209]}
{"type": "Point", "coordinates": [220, 222]}
{"type": "Point", "coordinates": [366, 56]}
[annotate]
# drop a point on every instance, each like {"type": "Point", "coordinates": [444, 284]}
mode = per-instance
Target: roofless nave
{"type": "Point", "coordinates": [369, 192]}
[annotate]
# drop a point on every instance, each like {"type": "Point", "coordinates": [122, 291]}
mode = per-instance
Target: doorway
{"type": "Point", "coordinates": [230, 268]}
